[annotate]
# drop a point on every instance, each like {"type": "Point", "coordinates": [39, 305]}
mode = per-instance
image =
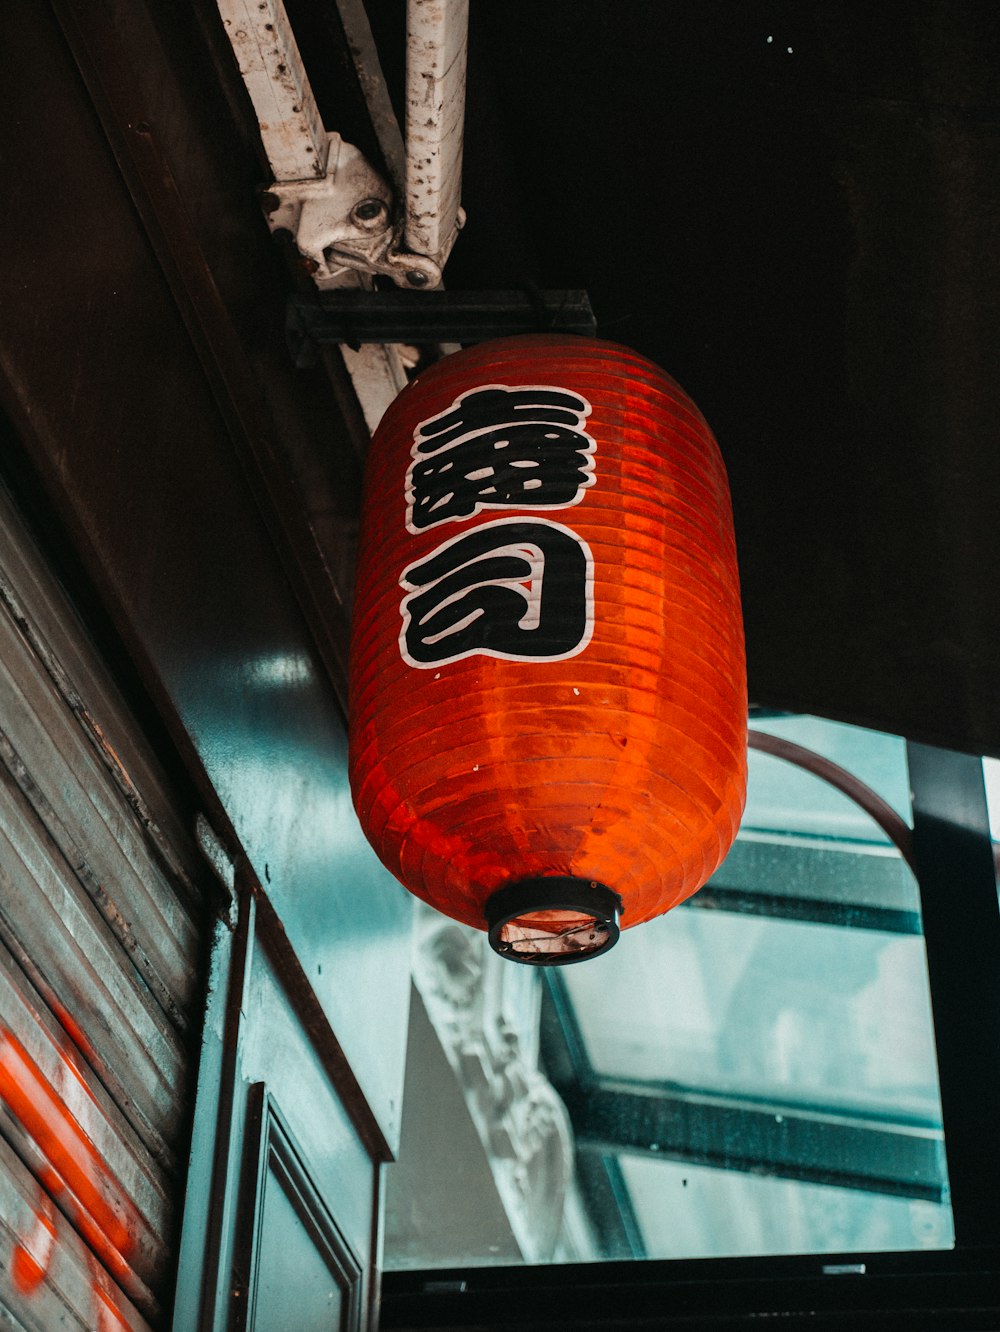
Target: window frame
{"type": "Point", "coordinates": [954, 1288]}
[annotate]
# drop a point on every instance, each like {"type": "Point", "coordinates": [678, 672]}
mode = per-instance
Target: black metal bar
{"type": "Point", "coordinates": [733, 1133]}
{"type": "Point", "coordinates": [609, 1206]}
{"type": "Point", "coordinates": [820, 911]}
{"type": "Point", "coordinates": [892, 1292]}
{"type": "Point", "coordinates": [603, 1190]}
{"type": "Point", "coordinates": [564, 1053]}
{"type": "Point", "coordinates": [815, 1144]}
{"type": "Point", "coordinates": [958, 887]}
{"type": "Point", "coordinates": [837, 874]}
{"type": "Point", "coordinates": [354, 317]}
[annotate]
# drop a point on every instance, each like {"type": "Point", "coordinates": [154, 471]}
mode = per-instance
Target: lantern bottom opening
{"type": "Point", "coordinates": [551, 921]}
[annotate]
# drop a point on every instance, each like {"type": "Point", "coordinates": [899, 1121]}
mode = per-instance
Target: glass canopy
{"type": "Point", "coordinates": [753, 1073]}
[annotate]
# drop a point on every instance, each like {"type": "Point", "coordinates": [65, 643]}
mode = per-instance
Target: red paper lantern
{"type": "Point", "coordinates": [548, 696]}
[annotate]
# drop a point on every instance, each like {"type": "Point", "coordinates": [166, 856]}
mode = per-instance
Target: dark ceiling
{"type": "Point", "coordinates": [794, 209]}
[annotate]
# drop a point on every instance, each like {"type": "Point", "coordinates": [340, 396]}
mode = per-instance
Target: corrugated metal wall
{"type": "Point", "coordinates": [100, 978]}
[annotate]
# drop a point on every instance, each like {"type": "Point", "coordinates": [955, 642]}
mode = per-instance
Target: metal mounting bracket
{"type": "Point", "coordinates": [356, 318]}
{"type": "Point", "coordinates": [346, 224]}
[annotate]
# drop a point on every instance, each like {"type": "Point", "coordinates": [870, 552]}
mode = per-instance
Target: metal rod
{"type": "Point", "coordinates": [891, 823]}
{"type": "Point", "coordinates": [609, 1206]}
{"type": "Point", "coordinates": [816, 910]}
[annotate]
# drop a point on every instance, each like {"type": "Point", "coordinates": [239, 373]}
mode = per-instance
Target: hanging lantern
{"type": "Point", "coordinates": [548, 697]}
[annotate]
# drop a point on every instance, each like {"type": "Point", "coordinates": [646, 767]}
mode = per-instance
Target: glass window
{"type": "Point", "coordinates": [691, 1212]}
{"type": "Point", "coordinates": [753, 1073]}
{"type": "Point", "coordinates": [784, 798]}
{"type": "Point", "coordinates": [764, 1007]}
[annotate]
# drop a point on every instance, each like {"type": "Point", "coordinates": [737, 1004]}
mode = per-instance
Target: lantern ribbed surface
{"type": "Point", "coordinates": [547, 676]}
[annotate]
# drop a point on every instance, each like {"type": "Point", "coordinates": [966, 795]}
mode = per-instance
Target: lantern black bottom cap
{"type": "Point", "coordinates": [522, 927]}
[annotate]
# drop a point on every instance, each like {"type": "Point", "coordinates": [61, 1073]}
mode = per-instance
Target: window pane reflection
{"type": "Point", "coordinates": [765, 1007]}
{"type": "Point", "coordinates": [786, 799]}
{"type": "Point", "coordinates": [692, 1212]}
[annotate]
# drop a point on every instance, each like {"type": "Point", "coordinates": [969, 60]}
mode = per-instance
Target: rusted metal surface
{"type": "Point", "coordinates": [882, 813]}
{"type": "Point", "coordinates": [58, 778]}
{"type": "Point", "coordinates": [61, 940]}
{"type": "Point", "coordinates": [122, 906]}
{"type": "Point", "coordinates": [47, 636]}
{"type": "Point", "coordinates": [435, 116]}
{"type": "Point", "coordinates": [63, 774]}
{"type": "Point", "coordinates": [272, 69]}
{"type": "Point", "coordinates": [100, 956]}
{"type": "Point", "coordinates": [341, 212]}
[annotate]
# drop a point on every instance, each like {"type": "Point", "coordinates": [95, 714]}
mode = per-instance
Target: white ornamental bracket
{"type": "Point", "coordinates": [487, 1016]}
{"type": "Point", "coordinates": [341, 213]}
{"type": "Point", "coordinates": [345, 223]}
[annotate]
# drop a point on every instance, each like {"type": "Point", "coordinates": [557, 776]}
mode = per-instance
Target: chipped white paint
{"type": "Point", "coordinates": [342, 221]}
{"type": "Point", "coordinates": [378, 373]}
{"type": "Point", "coordinates": [341, 211]}
{"type": "Point", "coordinates": [269, 62]}
{"type": "Point", "coordinates": [435, 113]}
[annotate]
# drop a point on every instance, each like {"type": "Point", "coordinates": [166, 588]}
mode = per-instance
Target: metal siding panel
{"type": "Point", "coordinates": [73, 1293]}
{"type": "Point", "coordinates": [63, 778]}
{"type": "Point", "coordinates": [55, 932]}
{"type": "Point", "coordinates": [27, 581]}
{"type": "Point", "coordinates": [148, 1186]}
{"type": "Point", "coordinates": [100, 984]}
